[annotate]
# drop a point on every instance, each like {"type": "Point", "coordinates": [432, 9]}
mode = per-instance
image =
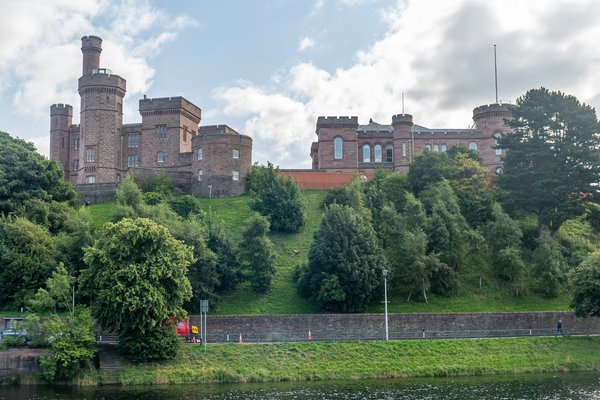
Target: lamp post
{"type": "Point", "coordinates": [385, 302]}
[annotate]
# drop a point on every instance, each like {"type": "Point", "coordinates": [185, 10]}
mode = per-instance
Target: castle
{"type": "Point", "coordinates": [206, 161]}
{"type": "Point", "coordinates": [213, 161]}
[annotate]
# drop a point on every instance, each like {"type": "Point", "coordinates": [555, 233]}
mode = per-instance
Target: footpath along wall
{"type": "Point", "coordinates": [295, 327]}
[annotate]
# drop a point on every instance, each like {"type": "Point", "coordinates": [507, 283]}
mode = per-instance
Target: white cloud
{"type": "Point", "coordinates": [440, 54]}
{"type": "Point", "coordinates": [306, 43]}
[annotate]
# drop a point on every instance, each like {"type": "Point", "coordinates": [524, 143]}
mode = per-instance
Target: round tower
{"type": "Point", "coordinates": [91, 47]}
{"type": "Point", "coordinates": [490, 126]}
{"type": "Point", "coordinates": [403, 145]}
{"type": "Point", "coordinates": [101, 117]}
{"type": "Point", "coordinates": [61, 118]}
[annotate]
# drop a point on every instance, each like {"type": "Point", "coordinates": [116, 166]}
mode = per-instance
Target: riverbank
{"type": "Point", "coordinates": [236, 363]}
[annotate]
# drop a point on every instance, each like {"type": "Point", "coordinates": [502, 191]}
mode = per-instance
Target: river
{"type": "Point", "coordinates": [572, 386]}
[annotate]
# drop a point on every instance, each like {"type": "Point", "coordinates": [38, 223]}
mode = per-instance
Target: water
{"type": "Point", "coordinates": [571, 386]}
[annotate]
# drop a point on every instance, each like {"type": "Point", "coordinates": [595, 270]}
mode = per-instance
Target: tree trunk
{"type": "Point", "coordinates": [424, 292]}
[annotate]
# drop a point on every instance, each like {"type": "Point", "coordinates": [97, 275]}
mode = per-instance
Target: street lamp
{"type": "Point", "coordinates": [385, 302]}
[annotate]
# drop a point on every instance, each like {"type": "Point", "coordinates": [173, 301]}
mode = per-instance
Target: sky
{"type": "Point", "coordinates": [269, 68]}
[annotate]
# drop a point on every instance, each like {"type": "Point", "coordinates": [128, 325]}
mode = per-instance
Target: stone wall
{"type": "Point", "coordinates": [295, 327]}
{"type": "Point", "coordinates": [97, 192]}
{"type": "Point", "coordinates": [20, 361]}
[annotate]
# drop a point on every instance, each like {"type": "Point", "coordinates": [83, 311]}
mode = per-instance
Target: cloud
{"type": "Point", "coordinates": [306, 43]}
{"type": "Point", "coordinates": [440, 55]}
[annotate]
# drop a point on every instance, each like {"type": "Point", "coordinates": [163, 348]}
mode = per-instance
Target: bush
{"type": "Point", "coordinates": [156, 344]}
{"type": "Point", "coordinates": [444, 280]}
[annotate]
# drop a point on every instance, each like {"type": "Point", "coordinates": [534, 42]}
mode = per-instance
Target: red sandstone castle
{"type": "Point", "coordinates": [213, 161]}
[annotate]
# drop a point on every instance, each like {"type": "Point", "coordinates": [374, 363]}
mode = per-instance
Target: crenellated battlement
{"type": "Point", "coordinates": [337, 122]}
{"type": "Point", "coordinates": [102, 81]}
{"type": "Point", "coordinates": [61, 109]}
{"type": "Point", "coordinates": [162, 105]}
{"type": "Point", "coordinates": [492, 110]}
{"type": "Point", "coordinates": [91, 42]}
{"type": "Point", "coordinates": [402, 119]}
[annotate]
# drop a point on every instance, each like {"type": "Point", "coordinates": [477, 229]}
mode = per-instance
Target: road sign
{"type": "Point", "coordinates": [204, 306]}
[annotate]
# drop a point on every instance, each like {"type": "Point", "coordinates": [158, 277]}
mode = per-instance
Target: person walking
{"type": "Point", "coordinates": [559, 328]}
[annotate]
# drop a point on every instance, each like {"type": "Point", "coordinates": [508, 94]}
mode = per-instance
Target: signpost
{"type": "Point", "coordinates": [203, 310]}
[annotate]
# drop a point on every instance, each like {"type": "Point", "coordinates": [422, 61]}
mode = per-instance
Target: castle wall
{"type": "Point", "coordinates": [329, 128]}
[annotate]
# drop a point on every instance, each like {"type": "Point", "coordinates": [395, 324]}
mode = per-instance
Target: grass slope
{"type": "Point", "coordinates": [345, 360]}
{"type": "Point", "coordinates": [284, 299]}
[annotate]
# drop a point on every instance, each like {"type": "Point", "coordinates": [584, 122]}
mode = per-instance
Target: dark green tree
{"type": "Point", "coordinates": [256, 253]}
{"type": "Point", "coordinates": [549, 266]}
{"type": "Point", "coordinates": [137, 273]}
{"type": "Point", "coordinates": [345, 262]}
{"type": "Point", "coordinates": [585, 281]}
{"type": "Point", "coordinates": [551, 160]}
{"type": "Point", "coordinates": [427, 168]}
{"type": "Point", "coordinates": [277, 198]}
{"type": "Point", "coordinates": [228, 267]}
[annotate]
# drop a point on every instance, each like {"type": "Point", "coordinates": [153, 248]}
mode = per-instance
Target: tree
{"type": "Point", "coordinates": [551, 158]}
{"type": "Point", "coordinates": [277, 198]}
{"type": "Point", "coordinates": [429, 167]}
{"type": "Point", "coordinates": [137, 273]}
{"type": "Point", "coordinates": [25, 175]}
{"type": "Point", "coordinates": [345, 262]}
{"type": "Point", "coordinates": [256, 253]}
{"type": "Point", "coordinates": [549, 266]}
{"type": "Point", "coordinates": [228, 267]}
{"type": "Point", "coordinates": [585, 281]}
{"type": "Point", "coordinates": [57, 295]}
{"type": "Point", "coordinates": [129, 193]}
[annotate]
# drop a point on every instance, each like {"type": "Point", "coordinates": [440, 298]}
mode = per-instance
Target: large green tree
{"type": "Point", "coordinates": [256, 253]}
{"type": "Point", "coordinates": [551, 159]}
{"type": "Point", "coordinates": [585, 281]}
{"type": "Point", "coordinates": [345, 262]}
{"type": "Point", "coordinates": [137, 280]}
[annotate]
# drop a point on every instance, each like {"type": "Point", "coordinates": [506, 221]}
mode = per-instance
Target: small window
{"type": "Point", "coordinates": [90, 154]}
{"type": "Point", "coordinates": [235, 175]}
{"type": "Point", "coordinates": [443, 147]}
{"type": "Point", "coordinates": [377, 153]}
{"type": "Point", "coordinates": [161, 132]}
{"type": "Point", "coordinates": [62, 142]}
{"type": "Point", "coordinates": [499, 171]}
{"type": "Point", "coordinates": [236, 153]}
{"type": "Point", "coordinates": [472, 146]}
{"type": "Point", "coordinates": [428, 147]}
{"type": "Point", "coordinates": [200, 155]}
{"type": "Point", "coordinates": [76, 164]}
{"type": "Point", "coordinates": [389, 153]}
{"type": "Point", "coordinates": [366, 153]}
{"type": "Point", "coordinates": [338, 148]}
{"type": "Point", "coordinates": [497, 137]}
{"type": "Point", "coordinates": [436, 148]}
{"type": "Point", "coordinates": [160, 157]}
{"type": "Point", "coordinates": [132, 160]}
{"type": "Point", "coordinates": [403, 150]}
{"type": "Point", "coordinates": [76, 144]}
{"type": "Point", "coordinates": [200, 175]}
{"type": "Point", "coordinates": [90, 179]}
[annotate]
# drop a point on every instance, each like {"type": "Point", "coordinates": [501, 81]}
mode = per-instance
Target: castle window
{"type": "Point", "coordinates": [161, 132]}
{"type": "Point", "coordinates": [76, 144]}
{"type": "Point", "coordinates": [235, 175]}
{"type": "Point", "coordinates": [90, 179]}
{"type": "Point", "coordinates": [403, 150]}
{"type": "Point", "coordinates": [236, 153]}
{"type": "Point", "coordinates": [200, 155]}
{"type": "Point", "coordinates": [133, 140]}
{"type": "Point", "coordinates": [428, 147]}
{"type": "Point", "coordinates": [472, 146]}
{"type": "Point", "coordinates": [338, 148]}
{"type": "Point", "coordinates": [436, 148]}
{"type": "Point", "coordinates": [160, 157]}
{"type": "Point", "coordinates": [76, 164]}
{"type": "Point", "coordinates": [366, 153]}
{"type": "Point", "coordinates": [389, 153]}
{"type": "Point", "coordinates": [62, 142]}
{"type": "Point", "coordinates": [443, 147]}
{"type": "Point", "coordinates": [200, 174]}
{"type": "Point", "coordinates": [132, 160]}
{"type": "Point", "coordinates": [498, 136]}
{"type": "Point", "coordinates": [499, 171]}
{"type": "Point", "coordinates": [377, 153]}
{"type": "Point", "coordinates": [90, 154]}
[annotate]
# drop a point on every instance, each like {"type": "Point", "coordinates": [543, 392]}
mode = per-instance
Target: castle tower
{"type": "Point", "coordinates": [101, 117]}
{"type": "Point", "coordinates": [337, 144]}
{"type": "Point", "coordinates": [61, 117]}
{"type": "Point", "coordinates": [490, 125]}
{"type": "Point", "coordinates": [403, 141]}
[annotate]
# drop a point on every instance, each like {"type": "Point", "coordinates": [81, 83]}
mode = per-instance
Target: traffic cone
{"type": "Point", "coordinates": [241, 341]}
{"type": "Point", "coordinates": [309, 335]}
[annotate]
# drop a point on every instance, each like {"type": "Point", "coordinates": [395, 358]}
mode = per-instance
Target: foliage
{"type": "Point", "coordinates": [71, 346]}
{"type": "Point", "coordinates": [336, 195]}
{"type": "Point", "coordinates": [344, 263]}
{"type": "Point", "coordinates": [185, 206]}
{"type": "Point", "coordinates": [26, 175]}
{"type": "Point", "coordinates": [509, 265]}
{"type": "Point", "coordinates": [155, 344]}
{"type": "Point", "coordinates": [228, 267]}
{"type": "Point", "coordinates": [502, 231]}
{"type": "Point", "coordinates": [129, 194]}
{"type": "Point", "coordinates": [551, 159]}
{"type": "Point", "coordinates": [277, 198]}
{"type": "Point", "coordinates": [57, 295]}
{"type": "Point", "coordinates": [256, 253]}
{"type": "Point", "coordinates": [427, 168]}
{"type": "Point", "coordinates": [549, 266]}
{"type": "Point", "coordinates": [137, 273]}
{"type": "Point", "coordinates": [444, 280]}
{"type": "Point", "coordinates": [585, 283]}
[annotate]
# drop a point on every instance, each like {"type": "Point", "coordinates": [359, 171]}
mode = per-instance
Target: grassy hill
{"type": "Point", "coordinates": [284, 299]}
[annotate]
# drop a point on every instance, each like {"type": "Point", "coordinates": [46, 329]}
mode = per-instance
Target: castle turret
{"type": "Point", "coordinates": [61, 117]}
{"type": "Point", "coordinates": [337, 143]}
{"type": "Point", "coordinates": [101, 117]}
{"type": "Point", "coordinates": [403, 141]}
{"type": "Point", "coordinates": [490, 125]}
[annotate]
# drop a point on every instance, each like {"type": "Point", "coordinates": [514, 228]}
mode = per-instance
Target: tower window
{"type": "Point", "coordinates": [161, 132]}
{"type": "Point", "coordinates": [76, 164]}
{"type": "Point", "coordinates": [62, 142]}
{"type": "Point", "coordinates": [236, 153]}
{"type": "Point", "coordinates": [160, 157]}
{"type": "Point", "coordinates": [90, 154]}
{"type": "Point", "coordinates": [378, 153]}
{"type": "Point", "coordinates": [389, 153]}
{"type": "Point", "coordinates": [436, 148]}
{"type": "Point", "coordinates": [90, 179]}
{"type": "Point", "coordinates": [76, 144]}
{"type": "Point", "coordinates": [366, 153]}
{"type": "Point", "coordinates": [472, 146]}
{"type": "Point", "coordinates": [200, 153]}
{"type": "Point", "coordinates": [403, 150]}
{"type": "Point", "coordinates": [235, 175]}
{"type": "Point", "coordinates": [428, 147]}
{"type": "Point", "coordinates": [338, 148]}
{"type": "Point", "coordinates": [200, 175]}
{"type": "Point", "coordinates": [498, 136]}
{"type": "Point", "coordinates": [499, 171]}
{"type": "Point", "coordinates": [443, 147]}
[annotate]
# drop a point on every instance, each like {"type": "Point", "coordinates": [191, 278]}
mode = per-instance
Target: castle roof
{"type": "Point", "coordinates": [373, 126]}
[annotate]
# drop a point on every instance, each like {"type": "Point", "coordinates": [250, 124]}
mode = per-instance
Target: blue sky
{"type": "Point", "coordinates": [269, 68]}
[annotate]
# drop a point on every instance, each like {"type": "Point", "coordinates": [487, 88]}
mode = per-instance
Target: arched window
{"type": "Point", "coordinates": [499, 171]}
{"type": "Point", "coordinates": [472, 146]}
{"type": "Point", "coordinates": [160, 157]}
{"type": "Point", "coordinates": [366, 153]}
{"type": "Point", "coordinates": [338, 148]}
{"type": "Point", "coordinates": [443, 147]}
{"type": "Point", "coordinates": [498, 136]}
{"type": "Point", "coordinates": [378, 153]}
{"type": "Point", "coordinates": [389, 153]}
{"type": "Point", "coordinates": [428, 147]}
{"type": "Point", "coordinates": [403, 150]}
{"type": "Point", "coordinates": [436, 148]}
{"type": "Point", "coordinates": [200, 155]}
{"type": "Point", "coordinates": [200, 174]}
